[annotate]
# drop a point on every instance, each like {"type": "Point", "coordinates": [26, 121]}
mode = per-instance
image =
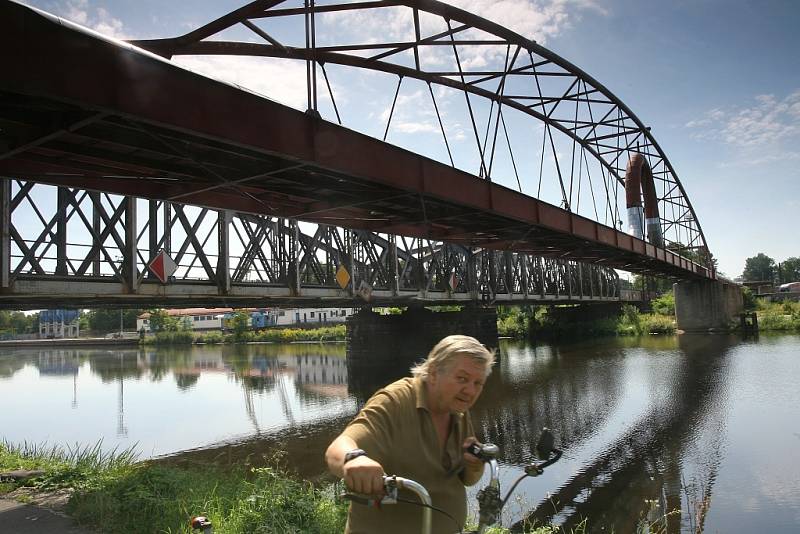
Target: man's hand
{"type": "Point", "coordinates": [472, 462]}
{"type": "Point", "coordinates": [364, 475]}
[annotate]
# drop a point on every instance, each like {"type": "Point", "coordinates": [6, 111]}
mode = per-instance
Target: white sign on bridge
{"type": "Point", "coordinates": [163, 266]}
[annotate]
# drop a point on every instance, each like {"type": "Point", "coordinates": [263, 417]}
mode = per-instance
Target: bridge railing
{"type": "Point", "coordinates": [88, 247]}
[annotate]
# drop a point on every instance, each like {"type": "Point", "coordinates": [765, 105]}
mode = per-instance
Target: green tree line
{"type": "Point", "coordinates": [762, 268]}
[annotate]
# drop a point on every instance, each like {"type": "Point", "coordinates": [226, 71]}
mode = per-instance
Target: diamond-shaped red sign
{"type": "Point", "coordinates": [162, 266]}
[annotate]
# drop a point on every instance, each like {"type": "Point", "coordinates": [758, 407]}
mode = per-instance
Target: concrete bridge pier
{"type": "Point", "coordinates": [702, 305]}
{"type": "Point", "coordinates": [382, 348]}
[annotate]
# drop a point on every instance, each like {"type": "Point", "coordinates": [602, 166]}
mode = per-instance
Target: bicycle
{"type": "Point", "coordinates": [490, 505]}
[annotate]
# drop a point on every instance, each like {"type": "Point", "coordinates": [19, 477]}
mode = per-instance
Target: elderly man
{"type": "Point", "coordinates": [416, 428]}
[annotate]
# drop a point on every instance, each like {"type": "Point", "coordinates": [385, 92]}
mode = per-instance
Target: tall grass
{"type": "Point", "coordinates": [778, 316]}
{"type": "Point", "coordinates": [277, 335]}
{"type": "Point", "coordinates": [66, 467]}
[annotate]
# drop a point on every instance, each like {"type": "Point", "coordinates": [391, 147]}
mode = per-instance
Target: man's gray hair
{"type": "Point", "coordinates": [442, 355]}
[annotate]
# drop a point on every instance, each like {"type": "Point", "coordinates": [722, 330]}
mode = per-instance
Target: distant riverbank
{"type": "Point", "coordinates": [70, 342]}
{"type": "Point", "coordinates": [280, 335]}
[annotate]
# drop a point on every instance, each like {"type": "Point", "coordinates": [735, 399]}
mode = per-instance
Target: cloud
{"type": "Point", "coordinates": [98, 18]}
{"type": "Point", "coordinates": [416, 127]}
{"type": "Point", "coordinates": [284, 81]}
{"type": "Point", "coordinates": [538, 20]}
{"type": "Point", "coordinates": [765, 131]}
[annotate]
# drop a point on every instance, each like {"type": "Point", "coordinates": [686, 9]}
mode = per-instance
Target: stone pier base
{"type": "Point", "coordinates": [382, 348]}
{"type": "Point", "coordinates": [707, 305]}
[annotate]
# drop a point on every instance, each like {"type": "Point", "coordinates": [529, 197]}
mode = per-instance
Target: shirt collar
{"type": "Point", "coordinates": [421, 392]}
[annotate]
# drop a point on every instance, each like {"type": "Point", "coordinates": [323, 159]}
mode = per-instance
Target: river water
{"type": "Point", "coordinates": [702, 432]}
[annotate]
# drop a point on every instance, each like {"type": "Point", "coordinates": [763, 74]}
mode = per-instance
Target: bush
{"type": "Point", "coordinates": [212, 338]}
{"type": "Point", "coordinates": [657, 324]}
{"type": "Point", "coordinates": [179, 337]}
{"type": "Point", "coordinates": [665, 304]}
{"type": "Point", "coordinates": [748, 299]}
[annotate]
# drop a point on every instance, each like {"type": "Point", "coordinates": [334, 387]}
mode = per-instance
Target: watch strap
{"type": "Point", "coordinates": [353, 454]}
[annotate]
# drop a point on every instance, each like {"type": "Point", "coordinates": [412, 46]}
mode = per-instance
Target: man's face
{"type": "Point", "coordinates": [456, 388]}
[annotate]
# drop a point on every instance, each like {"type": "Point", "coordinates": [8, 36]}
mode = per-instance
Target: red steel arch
{"type": "Point", "coordinates": [83, 111]}
{"type": "Point", "coordinates": [611, 132]}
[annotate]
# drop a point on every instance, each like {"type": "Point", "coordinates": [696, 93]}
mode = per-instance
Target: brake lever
{"type": "Point", "coordinates": [390, 494]}
{"type": "Point", "coordinates": [534, 469]}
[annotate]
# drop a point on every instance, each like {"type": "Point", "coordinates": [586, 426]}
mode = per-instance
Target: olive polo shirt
{"type": "Point", "coordinates": [395, 429]}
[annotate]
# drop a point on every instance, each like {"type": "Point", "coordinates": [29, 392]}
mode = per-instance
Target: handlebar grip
{"type": "Point", "coordinates": [483, 451]}
{"type": "Point", "coordinates": [358, 499]}
{"type": "Point", "coordinates": [475, 449]}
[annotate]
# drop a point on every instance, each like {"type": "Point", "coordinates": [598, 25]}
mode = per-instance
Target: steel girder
{"type": "Point", "coordinates": [525, 77]}
{"type": "Point", "coordinates": [92, 249]}
{"type": "Point", "coordinates": [80, 111]}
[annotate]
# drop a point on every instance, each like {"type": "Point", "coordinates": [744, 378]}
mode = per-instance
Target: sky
{"type": "Point", "coordinates": [717, 81]}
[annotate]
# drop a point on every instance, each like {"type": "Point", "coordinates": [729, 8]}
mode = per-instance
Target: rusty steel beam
{"type": "Point", "coordinates": [52, 66]}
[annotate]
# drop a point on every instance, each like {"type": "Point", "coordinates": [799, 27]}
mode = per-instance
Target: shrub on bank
{"type": "Point", "coordinates": [179, 337]}
{"type": "Point", "coordinates": [779, 316]}
{"type": "Point", "coordinates": [288, 335]}
{"type": "Point", "coordinates": [210, 338]}
{"type": "Point", "coordinates": [114, 494]}
{"type": "Point", "coordinates": [282, 335]}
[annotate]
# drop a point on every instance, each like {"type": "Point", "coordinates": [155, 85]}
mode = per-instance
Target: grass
{"type": "Point", "coordinates": [778, 316]}
{"type": "Point", "coordinates": [114, 493]}
{"type": "Point", "coordinates": [520, 323]}
{"type": "Point", "coordinates": [277, 335]}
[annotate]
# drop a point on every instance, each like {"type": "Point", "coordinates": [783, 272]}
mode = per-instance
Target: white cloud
{"type": "Point", "coordinates": [416, 127]}
{"type": "Point", "coordinates": [765, 131]}
{"type": "Point", "coordinates": [98, 18]}
{"type": "Point", "coordinates": [284, 81]}
{"type": "Point", "coordinates": [538, 20]}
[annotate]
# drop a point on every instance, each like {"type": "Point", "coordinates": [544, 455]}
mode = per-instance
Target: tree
{"type": "Point", "coordinates": [103, 320]}
{"type": "Point", "coordinates": [160, 321]}
{"type": "Point", "coordinates": [19, 323]}
{"type": "Point", "coordinates": [239, 323]}
{"type": "Point", "coordinates": [759, 268]}
{"type": "Point", "coordinates": [789, 270]}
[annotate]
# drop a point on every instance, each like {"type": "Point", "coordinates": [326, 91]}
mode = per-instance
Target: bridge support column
{"type": "Point", "coordinates": [5, 233]}
{"type": "Point", "coordinates": [381, 348]}
{"type": "Point", "coordinates": [702, 305]}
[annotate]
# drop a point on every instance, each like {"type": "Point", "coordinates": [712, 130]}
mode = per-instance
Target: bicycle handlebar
{"type": "Point", "coordinates": [391, 485]}
{"type": "Point", "coordinates": [488, 498]}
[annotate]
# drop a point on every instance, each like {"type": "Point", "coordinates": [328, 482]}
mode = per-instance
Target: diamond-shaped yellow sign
{"type": "Point", "coordinates": [342, 276]}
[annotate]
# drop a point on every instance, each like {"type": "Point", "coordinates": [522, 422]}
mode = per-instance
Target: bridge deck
{"type": "Point", "coordinates": [82, 111]}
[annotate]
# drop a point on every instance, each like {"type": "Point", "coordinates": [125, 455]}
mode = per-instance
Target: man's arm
{"type": "Point", "coordinates": [362, 474]}
{"type": "Point", "coordinates": [473, 466]}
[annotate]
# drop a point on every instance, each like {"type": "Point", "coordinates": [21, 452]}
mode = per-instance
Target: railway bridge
{"type": "Point", "coordinates": [523, 197]}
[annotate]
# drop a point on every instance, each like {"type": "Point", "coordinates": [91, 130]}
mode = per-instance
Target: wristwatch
{"type": "Point", "coordinates": [353, 454]}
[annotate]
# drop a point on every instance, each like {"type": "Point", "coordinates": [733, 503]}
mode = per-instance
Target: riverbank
{"type": "Point", "coordinates": [113, 493]}
{"type": "Point", "coordinates": [282, 335]}
{"type": "Point", "coordinates": [69, 342]}
{"type": "Point", "coordinates": [537, 323]}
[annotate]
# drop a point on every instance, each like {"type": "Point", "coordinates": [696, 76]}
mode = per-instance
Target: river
{"type": "Point", "coordinates": [702, 432]}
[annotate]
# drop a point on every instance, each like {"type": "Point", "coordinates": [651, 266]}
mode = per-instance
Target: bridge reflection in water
{"type": "Point", "coordinates": [630, 415]}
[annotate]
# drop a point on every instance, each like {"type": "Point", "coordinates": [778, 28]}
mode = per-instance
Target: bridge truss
{"type": "Point", "coordinates": [510, 85]}
{"type": "Point", "coordinates": [525, 216]}
{"type": "Point", "coordinates": [90, 249]}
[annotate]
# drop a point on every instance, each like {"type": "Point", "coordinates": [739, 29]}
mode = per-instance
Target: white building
{"type": "Point", "coordinates": [213, 318]}
{"type": "Point", "coordinates": [59, 324]}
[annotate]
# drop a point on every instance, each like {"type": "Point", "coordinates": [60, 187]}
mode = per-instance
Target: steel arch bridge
{"type": "Point", "coordinates": [87, 113]}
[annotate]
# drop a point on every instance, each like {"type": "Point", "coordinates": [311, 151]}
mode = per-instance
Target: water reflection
{"type": "Point", "coordinates": [233, 392]}
{"type": "Point", "coordinates": [639, 474]}
{"type": "Point", "coordinates": [648, 426]}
